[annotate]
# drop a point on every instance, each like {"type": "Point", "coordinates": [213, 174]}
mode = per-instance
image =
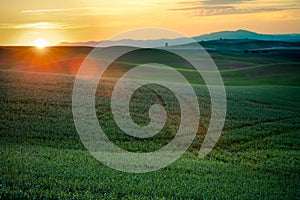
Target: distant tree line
{"type": "Point", "coordinates": [256, 51]}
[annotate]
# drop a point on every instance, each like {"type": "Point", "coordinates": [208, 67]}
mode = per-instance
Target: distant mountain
{"type": "Point", "coordinates": [239, 34]}
{"type": "Point", "coordinates": [89, 43]}
{"type": "Point", "coordinates": [129, 42]}
{"type": "Point", "coordinates": [243, 34]}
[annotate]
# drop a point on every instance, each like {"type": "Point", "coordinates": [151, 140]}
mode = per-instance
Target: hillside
{"type": "Point", "coordinates": [241, 62]}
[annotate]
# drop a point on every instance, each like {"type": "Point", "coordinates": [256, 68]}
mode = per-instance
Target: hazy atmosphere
{"type": "Point", "coordinates": [21, 22]}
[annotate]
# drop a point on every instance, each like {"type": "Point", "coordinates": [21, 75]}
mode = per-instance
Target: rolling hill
{"type": "Point", "coordinates": [240, 61]}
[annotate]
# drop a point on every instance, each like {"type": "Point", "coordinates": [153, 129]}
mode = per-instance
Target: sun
{"type": "Point", "coordinates": [40, 43]}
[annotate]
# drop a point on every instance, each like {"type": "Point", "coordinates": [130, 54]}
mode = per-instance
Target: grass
{"type": "Point", "coordinates": [256, 157]}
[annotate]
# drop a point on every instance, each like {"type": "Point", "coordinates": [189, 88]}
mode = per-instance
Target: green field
{"type": "Point", "coordinates": [257, 156]}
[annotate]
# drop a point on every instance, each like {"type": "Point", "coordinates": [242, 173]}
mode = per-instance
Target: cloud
{"type": "Point", "coordinates": [224, 10]}
{"type": "Point", "coordinates": [231, 10]}
{"type": "Point", "coordinates": [53, 10]}
{"type": "Point", "coordinates": [226, 7]}
{"type": "Point", "coordinates": [213, 2]}
{"type": "Point", "coordinates": [222, 2]}
{"type": "Point", "coordinates": [88, 10]}
{"type": "Point", "coordinates": [203, 8]}
{"type": "Point", "coordinates": [44, 25]}
{"type": "Point", "coordinates": [40, 25]}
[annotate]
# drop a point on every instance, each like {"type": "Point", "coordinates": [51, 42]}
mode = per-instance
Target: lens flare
{"type": "Point", "coordinates": [40, 43]}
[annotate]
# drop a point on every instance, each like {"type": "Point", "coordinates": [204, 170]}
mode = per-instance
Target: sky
{"type": "Point", "coordinates": [23, 22]}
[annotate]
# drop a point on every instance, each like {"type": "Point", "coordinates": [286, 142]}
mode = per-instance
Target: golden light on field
{"type": "Point", "coordinates": [40, 43]}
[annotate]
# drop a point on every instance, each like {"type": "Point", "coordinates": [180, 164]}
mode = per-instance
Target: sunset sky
{"type": "Point", "coordinates": [23, 22]}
